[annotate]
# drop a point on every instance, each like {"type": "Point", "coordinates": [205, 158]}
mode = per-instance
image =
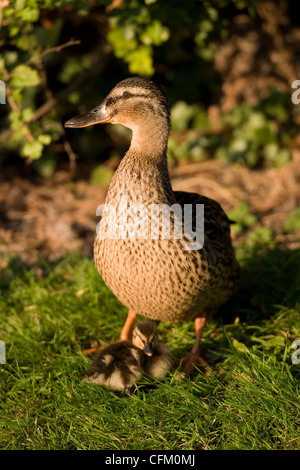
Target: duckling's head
{"type": "Point", "coordinates": [138, 104]}
{"type": "Point", "coordinates": [144, 337]}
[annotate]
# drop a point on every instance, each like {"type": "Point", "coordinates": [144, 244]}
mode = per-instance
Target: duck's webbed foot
{"type": "Point", "coordinates": [187, 364]}
{"type": "Point", "coordinates": [193, 359]}
{"type": "Point", "coordinates": [89, 351]}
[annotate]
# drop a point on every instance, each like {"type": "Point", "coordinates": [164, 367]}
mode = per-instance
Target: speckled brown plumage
{"type": "Point", "coordinates": [159, 278]}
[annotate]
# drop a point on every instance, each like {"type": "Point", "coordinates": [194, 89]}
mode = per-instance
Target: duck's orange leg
{"type": "Point", "coordinates": [125, 334]}
{"type": "Point", "coordinates": [127, 328]}
{"type": "Point", "coordinates": [87, 352]}
{"type": "Point", "coordinates": [187, 362]}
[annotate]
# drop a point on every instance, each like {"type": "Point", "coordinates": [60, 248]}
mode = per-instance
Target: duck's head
{"type": "Point", "coordinates": [137, 103]}
{"type": "Point", "coordinates": [144, 337]}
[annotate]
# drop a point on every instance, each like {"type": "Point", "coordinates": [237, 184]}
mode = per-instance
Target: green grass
{"type": "Point", "coordinates": [250, 399]}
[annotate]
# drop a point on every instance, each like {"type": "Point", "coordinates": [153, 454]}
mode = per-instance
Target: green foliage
{"type": "Point", "coordinates": [249, 135]}
{"type": "Point", "coordinates": [186, 141]}
{"type": "Point", "coordinates": [41, 59]}
{"type": "Point", "coordinates": [133, 35]}
{"type": "Point", "coordinates": [24, 76]}
{"type": "Point", "coordinates": [138, 26]}
{"type": "Point", "coordinates": [46, 165]}
{"type": "Point", "coordinates": [242, 217]}
{"type": "Point", "coordinates": [186, 116]}
{"type": "Point", "coordinates": [254, 137]}
{"type": "Point", "coordinates": [293, 222]}
{"type": "Point", "coordinates": [101, 175]}
{"type": "Point", "coordinates": [261, 237]}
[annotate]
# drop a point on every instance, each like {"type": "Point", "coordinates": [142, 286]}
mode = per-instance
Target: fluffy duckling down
{"type": "Point", "coordinates": [156, 360]}
{"type": "Point", "coordinates": [117, 367]}
{"type": "Point", "coordinates": [120, 365]}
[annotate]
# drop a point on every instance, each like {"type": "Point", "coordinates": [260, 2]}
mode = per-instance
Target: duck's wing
{"type": "Point", "coordinates": [215, 219]}
{"type": "Point", "coordinates": [217, 239]}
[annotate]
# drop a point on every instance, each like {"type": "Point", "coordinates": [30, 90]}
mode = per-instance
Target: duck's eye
{"type": "Point", "coordinates": [126, 94]}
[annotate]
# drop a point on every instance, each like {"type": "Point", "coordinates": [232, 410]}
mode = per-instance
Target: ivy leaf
{"type": "Point", "coordinates": [32, 150]}
{"type": "Point", "coordinates": [140, 61]}
{"type": "Point", "coordinates": [242, 217]}
{"type": "Point", "coordinates": [101, 175]}
{"type": "Point", "coordinates": [30, 14]}
{"type": "Point", "coordinates": [44, 139]}
{"type": "Point", "coordinates": [24, 76]}
{"type": "Point", "coordinates": [155, 34]}
{"type": "Point", "coordinates": [293, 222]}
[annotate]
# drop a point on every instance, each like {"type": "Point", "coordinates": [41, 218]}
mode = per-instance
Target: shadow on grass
{"type": "Point", "coordinates": [264, 311]}
{"type": "Point", "coordinates": [17, 267]}
{"type": "Point", "coordinates": [269, 278]}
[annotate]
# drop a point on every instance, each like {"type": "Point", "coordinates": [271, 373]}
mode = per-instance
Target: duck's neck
{"type": "Point", "coordinates": [150, 140]}
{"type": "Point", "coordinates": [141, 179]}
{"type": "Point", "coordinates": [143, 175]}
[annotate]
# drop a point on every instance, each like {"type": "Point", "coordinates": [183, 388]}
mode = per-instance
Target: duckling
{"type": "Point", "coordinates": [157, 362]}
{"type": "Point", "coordinates": [159, 278]}
{"type": "Point", "coordinates": [117, 367]}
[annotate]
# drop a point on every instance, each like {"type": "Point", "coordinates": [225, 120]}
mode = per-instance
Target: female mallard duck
{"type": "Point", "coordinates": [121, 364]}
{"type": "Point", "coordinates": [159, 277]}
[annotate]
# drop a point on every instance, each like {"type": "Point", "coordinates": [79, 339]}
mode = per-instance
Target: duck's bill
{"type": "Point", "coordinates": [97, 115]}
{"type": "Point", "coordinates": [148, 349]}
